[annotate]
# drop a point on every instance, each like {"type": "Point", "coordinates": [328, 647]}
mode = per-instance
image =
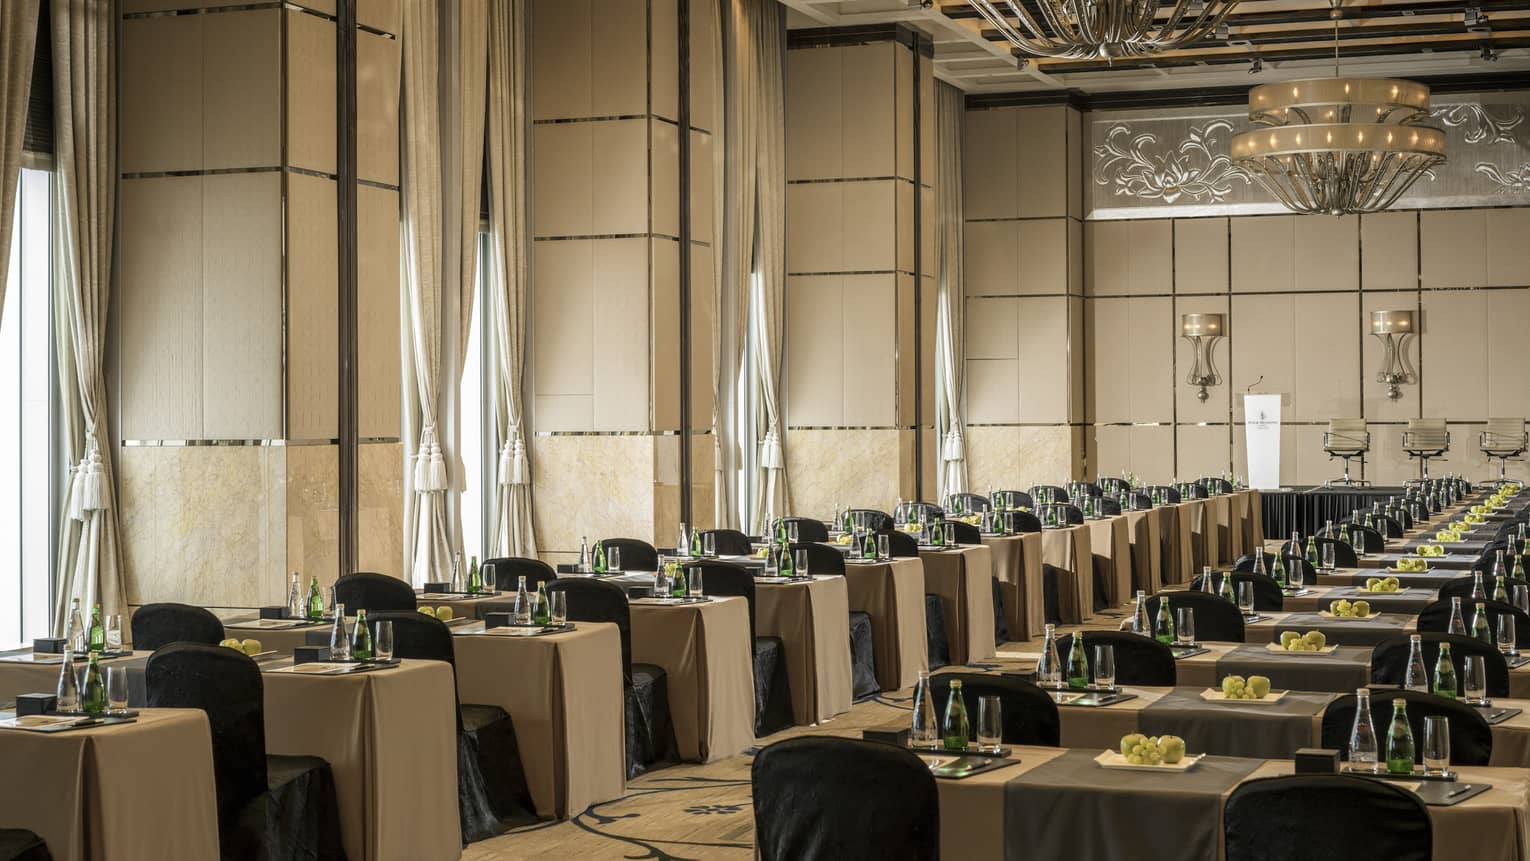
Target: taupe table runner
{"type": "Point", "coordinates": [964, 581]}
{"type": "Point", "coordinates": [1409, 603]}
{"type": "Point", "coordinates": [1147, 528]}
{"type": "Point", "coordinates": [1276, 729]}
{"type": "Point", "coordinates": [1347, 668]}
{"type": "Point", "coordinates": [1341, 631]}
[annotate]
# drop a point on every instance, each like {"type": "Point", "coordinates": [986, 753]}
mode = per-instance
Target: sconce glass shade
{"type": "Point", "coordinates": [1202, 331]}
{"type": "Point", "coordinates": [1391, 322]}
{"type": "Point", "coordinates": [1393, 328]}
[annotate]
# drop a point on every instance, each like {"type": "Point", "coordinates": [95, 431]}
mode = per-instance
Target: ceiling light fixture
{"type": "Point", "coordinates": [1339, 145]}
{"type": "Point", "coordinates": [1106, 29]}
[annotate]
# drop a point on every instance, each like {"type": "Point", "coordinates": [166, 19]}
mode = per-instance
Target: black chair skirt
{"type": "Point", "coordinates": [863, 661]}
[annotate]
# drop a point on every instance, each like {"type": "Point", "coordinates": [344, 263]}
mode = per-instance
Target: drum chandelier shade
{"type": "Point", "coordinates": [1106, 29]}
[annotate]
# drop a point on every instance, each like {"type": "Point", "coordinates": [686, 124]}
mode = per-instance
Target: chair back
{"type": "Point", "coordinates": [1471, 739]}
{"type": "Point", "coordinates": [591, 600]}
{"type": "Point", "coordinates": [876, 521]}
{"type": "Point", "coordinates": [1267, 595]}
{"type": "Point", "coordinates": [1139, 660]}
{"type": "Point", "coordinates": [1216, 619]}
{"type": "Point", "coordinates": [971, 503]}
{"type": "Point", "coordinates": [1436, 616]}
{"type": "Point", "coordinates": [1343, 554]}
{"type": "Point", "coordinates": [1347, 437]}
{"type": "Point", "coordinates": [508, 570]}
{"type": "Point", "coordinates": [1461, 587]}
{"type": "Point", "coordinates": [1109, 506]}
{"type": "Point", "coordinates": [820, 798]}
{"type": "Point", "coordinates": [1167, 491]}
{"type": "Point", "coordinates": [822, 558]}
{"type": "Point", "coordinates": [1067, 513]}
{"type": "Point", "coordinates": [1028, 713]}
{"type": "Point", "coordinates": [417, 637]}
{"type": "Point", "coordinates": [918, 511]}
{"type": "Point", "coordinates": [157, 625]}
{"type": "Point", "coordinates": [1114, 486]}
{"type": "Point", "coordinates": [965, 533]}
{"type": "Point", "coordinates": [731, 542]}
{"type": "Point", "coordinates": [1216, 485]}
{"type": "Point", "coordinates": [1426, 436]}
{"type": "Point", "coordinates": [1014, 499]}
{"type": "Point", "coordinates": [1394, 529]}
{"type": "Point", "coordinates": [1023, 521]}
{"type": "Point", "coordinates": [1373, 541]}
{"type": "Point", "coordinates": [1059, 494]}
{"type": "Point", "coordinates": [901, 545]}
{"type": "Point", "coordinates": [375, 593]}
{"type": "Point", "coordinates": [1356, 817]}
{"type": "Point", "coordinates": [1504, 437]}
{"type": "Point", "coordinates": [637, 554]}
{"type": "Point", "coordinates": [1389, 659]}
{"type": "Point", "coordinates": [808, 529]}
{"type": "Point", "coordinates": [226, 685]}
{"type": "Point", "coordinates": [729, 580]}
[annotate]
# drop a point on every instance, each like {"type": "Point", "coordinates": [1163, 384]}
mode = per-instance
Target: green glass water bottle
{"type": "Point", "coordinates": [1500, 590]}
{"type": "Point", "coordinates": [1400, 740]}
{"type": "Point", "coordinates": [542, 615]}
{"type": "Point", "coordinates": [1225, 591]}
{"type": "Point", "coordinates": [361, 638]}
{"type": "Point", "coordinates": [956, 730]}
{"type": "Point", "coordinates": [1312, 551]}
{"type": "Point", "coordinates": [1480, 628]}
{"type": "Point", "coordinates": [475, 577]}
{"type": "Point", "coordinates": [1279, 571]}
{"type": "Point", "coordinates": [1445, 674]}
{"type": "Point", "coordinates": [600, 557]}
{"type": "Point", "coordinates": [315, 601]}
{"type": "Point", "coordinates": [1078, 664]}
{"type": "Point", "coordinates": [678, 588]}
{"type": "Point", "coordinates": [1163, 629]}
{"type": "Point", "coordinates": [93, 698]}
{"type": "Point", "coordinates": [869, 547]}
{"type": "Point", "coordinates": [97, 631]}
{"type": "Point", "coordinates": [784, 565]}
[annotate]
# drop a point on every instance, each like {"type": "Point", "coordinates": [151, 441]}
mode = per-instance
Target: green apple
{"type": "Point", "coordinates": [1232, 685]}
{"type": "Point", "coordinates": [1259, 686]}
{"type": "Point", "coordinates": [251, 647]}
{"type": "Point", "coordinates": [1361, 608]}
{"type": "Point", "coordinates": [1289, 637]}
{"type": "Point", "coordinates": [1172, 748]}
{"type": "Point", "coordinates": [1130, 743]}
{"type": "Point", "coordinates": [230, 643]}
{"type": "Point", "coordinates": [445, 614]}
{"type": "Point", "coordinates": [1340, 607]}
{"type": "Point", "coordinates": [428, 611]}
{"type": "Point", "coordinates": [1315, 639]}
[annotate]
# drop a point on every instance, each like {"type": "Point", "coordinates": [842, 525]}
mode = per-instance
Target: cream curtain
{"type": "Point", "coordinates": [437, 120]}
{"type": "Point", "coordinates": [754, 225]}
{"type": "Point", "coordinates": [511, 533]}
{"type": "Point", "coordinates": [950, 363]}
{"type": "Point", "coordinates": [18, 36]}
{"type": "Point", "coordinates": [85, 194]}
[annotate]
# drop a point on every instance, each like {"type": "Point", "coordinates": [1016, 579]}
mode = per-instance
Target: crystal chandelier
{"type": "Point", "coordinates": [1109, 29]}
{"type": "Point", "coordinates": [1339, 145]}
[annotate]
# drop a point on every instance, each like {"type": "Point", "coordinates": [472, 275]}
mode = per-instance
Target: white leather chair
{"type": "Point", "coordinates": [1346, 439]}
{"type": "Point", "coordinates": [1503, 439]}
{"type": "Point", "coordinates": [1425, 439]}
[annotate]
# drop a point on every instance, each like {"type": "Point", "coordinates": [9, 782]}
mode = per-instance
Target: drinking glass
{"type": "Point", "coordinates": [802, 563]}
{"type": "Point", "coordinates": [770, 564]}
{"type": "Point", "coordinates": [1184, 628]}
{"type": "Point", "coordinates": [1474, 679]}
{"type": "Point", "coordinates": [1506, 634]}
{"type": "Point", "coordinates": [709, 544]}
{"type": "Point", "coordinates": [1522, 598]}
{"type": "Point", "coordinates": [1329, 562]}
{"type": "Point", "coordinates": [791, 531]}
{"type": "Point", "coordinates": [117, 689]}
{"type": "Point", "coordinates": [884, 547]}
{"type": "Point", "coordinates": [990, 728]}
{"type": "Point", "coordinates": [1246, 598]}
{"type": "Point", "coordinates": [1436, 744]}
{"type": "Point", "coordinates": [559, 602]}
{"type": "Point", "coordinates": [661, 576]}
{"type": "Point", "coordinates": [693, 582]}
{"type": "Point", "coordinates": [613, 560]}
{"type": "Point", "coordinates": [382, 639]}
{"type": "Point", "coordinates": [1105, 666]}
{"type": "Point", "coordinates": [114, 632]}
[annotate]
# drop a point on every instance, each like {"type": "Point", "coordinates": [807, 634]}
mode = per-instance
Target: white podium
{"type": "Point", "coordinates": [1261, 414]}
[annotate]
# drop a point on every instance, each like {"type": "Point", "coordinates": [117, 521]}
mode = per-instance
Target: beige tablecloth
{"type": "Point", "coordinates": [706, 654]}
{"type": "Point", "coordinates": [1111, 541]}
{"type": "Point", "coordinates": [1070, 550]}
{"type": "Point", "coordinates": [964, 581]}
{"type": "Point", "coordinates": [892, 593]}
{"type": "Point", "coordinates": [812, 619]}
{"type": "Point", "coordinates": [278, 639]}
{"type": "Point", "coordinates": [1197, 537]}
{"type": "Point", "coordinates": [22, 676]}
{"type": "Point", "coordinates": [390, 736]}
{"type": "Point", "coordinates": [564, 694]}
{"type": "Point", "coordinates": [1017, 565]}
{"type": "Point", "coordinates": [1147, 529]}
{"type": "Point", "coordinates": [143, 790]}
{"type": "Point", "coordinates": [1219, 530]}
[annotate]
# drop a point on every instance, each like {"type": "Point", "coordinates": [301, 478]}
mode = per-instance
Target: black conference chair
{"type": "Point", "coordinates": [1109, 506]}
{"type": "Point", "coordinates": [772, 693]}
{"type": "Point", "coordinates": [822, 558]}
{"type": "Point", "coordinates": [1169, 493]}
{"type": "Point", "coordinates": [19, 844]}
{"type": "Point", "coordinates": [820, 798]}
{"type": "Point", "coordinates": [157, 625]}
{"type": "Point", "coordinates": [375, 593]}
{"type": "Point", "coordinates": [1343, 554]}
{"type": "Point", "coordinates": [1461, 587]}
{"type": "Point", "coordinates": [1071, 514]}
{"type": "Point", "coordinates": [268, 806]}
{"type": "Point", "coordinates": [492, 794]}
{"type": "Point", "coordinates": [1373, 541]}
{"type": "Point", "coordinates": [1059, 494]}
{"type": "Point", "coordinates": [1000, 621]}
{"type": "Point", "coordinates": [918, 512]}
{"type": "Point", "coordinates": [1389, 659]}
{"type": "Point", "coordinates": [636, 554]}
{"type": "Point", "coordinates": [937, 647]}
{"type": "Point", "coordinates": [965, 533]}
{"type": "Point", "coordinates": [1325, 817]}
{"type": "Point", "coordinates": [731, 542]}
{"type": "Point", "coordinates": [1114, 486]}
{"type": "Point", "coordinates": [650, 730]}
{"type": "Point", "coordinates": [1245, 565]}
{"type": "Point", "coordinates": [1216, 485]}
{"type": "Point", "coordinates": [1028, 713]}
{"type": "Point", "coordinates": [1216, 619]}
{"type": "Point", "coordinates": [876, 521]}
{"type": "Point", "coordinates": [1471, 739]}
{"type": "Point", "coordinates": [808, 529]}
{"type": "Point", "coordinates": [1267, 594]}
{"type": "Point", "coordinates": [505, 573]}
{"type": "Point", "coordinates": [1393, 529]}
{"type": "Point", "coordinates": [1436, 617]}
{"type": "Point", "coordinates": [1014, 499]}
{"type": "Point", "coordinates": [1139, 660]}
{"type": "Point", "coordinates": [970, 503]}
{"type": "Point", "coordinates": [901, 545]}
{"type": "Point", "coordinates": [1023, 521]}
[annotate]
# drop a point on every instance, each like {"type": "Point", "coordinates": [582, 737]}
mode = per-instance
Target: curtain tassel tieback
{"type": "Point", "coordinates": [93, 497]}
{"type": "Point", "coordinates": [952, 449]}
{"type": "Point", "coordinates": [514, 469]}
{"type": "Point", "coordinates": [77, 489]}
{"type": "Point", "coordinates": [429, 465]}
{"type": "Point", "coordinates": [770, 451]}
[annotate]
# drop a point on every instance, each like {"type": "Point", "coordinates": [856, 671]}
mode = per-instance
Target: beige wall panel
{"type": "Point", "coordinates": [1327, 252]}
{"type": "Point", "coordinates": [869, 130]}
{"type": "Point", "coordinates": [1200, 255]}
{"type": "Point", "coordinates": [1131, 360]}
{"type": "Point", "coordinates": [1077, 361]}
{"type": "Point", "coordinates": [563, 275]}
{"type": "Point", "coordinates": [869, 349]}
{"type": "Point", "coordinates": [1203, 450]}
{"type": "Point", "coordinates": [377, 313]}
{"type": "Point", "coordinates": [1389, 251]}
{"type": "Point", "coordinates": [1455, 355]}
{"type": "Point", "coordinates": [1153, 452]}
{"type": "Point", "coordinates": [703, 187]}
{"type": "Point", "coordinates": [311, 107]}
{"type": "Point", "coordinates": [1313, 466]}
{"type": "Point", "coordinates": [990, 164]}
{"type": "Point", "coordinates": [903, 232]}
{"type": "Point", "coordinates": [561, 61]}
{"type": "Point", "coordinates": [929, 263]}
{"type": "Point", "coordinates": [313, 312]}
{"type": "Point", "coordinates": [1043, 250]}
{"type": "Point", "coordinates": [664, 59]}
{"type": "Point", "coordinates": [568, 466]}
{"type": "Point", "coordinates": [815, 220]}
{"type": "Point", "coordinates": [926, 372]}
{"type": "Point", "coordinates": [815, 325]}
{"type": "Point", "coordinates": [1111, 452]}
{"type": "Point", "coordinates": [1219, 406]}
{"type": "Point", "coordinates": [1075, 257]}
{"type": "Point", "coordinates": [1387, 463]}
{"type": "Point", "coordinates": [380, 508]}
{"type": "Point", "coordinates": [1508, 252]}
{"type": "Point", "coordinates": [1452, 248]}
{"type": "Point", "coordinates": [1107, 267]}
{"type": "Point", "coordinates": [991, 258]}
{"type": "Point", "coordinates": [993, 328]}
{"type": "Point", "coordinates": [1109, 350]}
{"type": "Point", "coordinates": [665, 214]}
{"type": "Point", "coordinates": [1015, 458]}
{"type": "Point", "coordinates": [1262, 344]}
{"type": "Point", "coordinates": [377, 99]}
{"type": "Point", "coordinates": [563, 190]}
{"type": "Point", "coordinates": [665, 381]}
{"type": "Point", "coordinates": [928, 130]}
{"type": "Point", "coordinates": [704, 59]}
{"type": "Point", "coordinates": [617, 58]}
{"type": "Point", "coordinates": [380, 15]}
{"type": "Point", "coordinates": [846, 468]}
{"type": "Point", "coordinates": [814, 136]}
{"type": "Point", "coordinates": [621, 192]}
{"type": "Point", "coordinates": [903, 111]}
{"type": "Point", "coordinates": [563, 412]}
{"type": "Point", "coordinates": [1043, 161]}
{"type": "Point", "coordinates": [908, 371]}
{"type": "Point", "coordinates": [242, 306]}
{"type": "Point", "coordinates": [993, 387]}
{"type": "Point", "coordinates": [1327, 358]}
{"type": "Point", "coordinates": [1043, 365]}
{"type": "Point", "coordinates": [1378, 407]}
{"type": "Point", "coordinates": [241, 89]}
{"type": "Point", "coordinates": [621, 313]}
{"type": "Point", "coordinates": [1263, 251]}
{"type": "Point", "coordinates": [1508, 366]}
{"type": "Point", "coordinates": [1151, 264]}
{"type": "Point", "coordinates": [703, 322]}
{"type": "Point", "coordinates": [870, 227]}
{"type": "Point", "coordinates": [1076, 157]}
{"type": "Point", "coordinates": [130, 7]}
{"type": "Point", "coordinates": [313, 511]}
{"type": "Point", "coordinates": [161, 94]}
{"type": "Point", "coordinates": [161, 307]}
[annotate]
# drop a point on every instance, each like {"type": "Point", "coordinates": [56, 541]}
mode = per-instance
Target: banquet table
{"type": "Point", "coordinates": [1070, 550]}
{"type": "Point", "coordinates": [1055, 802]}
{"type": "Point", "coordinates": [1017, 561]}
{"type": "Point", "coordinates": [140, 790]}
{"type": "Point", "coordinates": [278, 635]}
{"type": "Point", "coordinates": [1196, 540]}
{"type": "Point", "coordinates": [891, 592]}
{"type": "Point", "coordinates": [1434, 578]}
{"type": "Point", "coordinates": [709, 662]}
{"type": "Point", "coordinates": [1110, 540]}
{"type": "Point", "coordinates": [812, 618]}
{"type": "Point", "coordinates": [1345, 631]}
{"type": "Point", "coordinates": [564, 695]}
{"type": "Point", "coordinates": [963, 578]}
{"type": "Point", "coordinates": [1148, 528]}
{"type": "Point", "coordinates": [1220, 527]}
{"type": "Point", "coordinates": [1317, 598]}
{"type": "Point", "coordinates": [22, 672]}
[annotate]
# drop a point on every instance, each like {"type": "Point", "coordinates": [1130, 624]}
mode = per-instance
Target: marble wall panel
{"type": "Point", "coordinates": [592, 486]}
{"type": "Point", "coordinates": [829, 468]}
{"type": "Point", "coordinates": [1014, 458]}
{"type": "Point", "coordinates": [380, 522]}
{"type": "Point", "coordinates": [313, 512]}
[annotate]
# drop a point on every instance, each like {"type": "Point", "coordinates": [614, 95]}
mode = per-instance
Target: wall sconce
{"type": "Point", "coordinates": [1203, 331]}
{"type": "Point", "coordinates": [1393, 328]}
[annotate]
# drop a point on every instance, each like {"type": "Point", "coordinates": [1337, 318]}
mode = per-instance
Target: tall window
{"type": "Point", "coordinates": [27, 397]}
{"type": "Point", "coordinates": [471, 396]}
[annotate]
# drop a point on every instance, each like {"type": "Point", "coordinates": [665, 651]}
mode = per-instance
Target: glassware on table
{"type": "Point", "coordinates": [693, 582]}
{"type": "Point", "coordinates": [1049, 670]}
{"type": "Point", "coordinates": [339, 641]}
{"type": "Point", "coordinates": [661, 576]}
{"type": "Point", "coordinates": [884, 547]}
{"type": "Point", "coordinates": [1330, 562]}
{"type": "Point", "coordinates": [1506, 633]}
{"type": "Point", "coordinates": [1105, 666]}
{"type": "Point", "coordinates": [801, 562]}
{"type": "Point", "coordinates": [925, 733]}
{"type": "Point", "coordinates": [1400, 757]}
{"type": "Point", "coordinates": [1474, 679]}
{"type": "Point", "coordinates": [708, 544]}
{"type": "Point", "coordinates": [770, 564]}
{"type": "Point", "coordinates": [1246, 598]}
{"type": "Point", "coordinates": [792, 532]}
{"type": "Point", "coordinates": [1436, 744]}
{"type": "Point", "coordinates": [525, 604]}
{"type": "Point", "coordinates": [1362, 734]}
{"type": "Point", "coordinates": [613, 560]}
{"type": "Point", "coordinates": [382, 641]}
{"type": "Point", "coordinates": [1522, 598]}
{"type": "Point", "coordinates": [1184, 626]}
{"type": "Point", "coordinates": [956, 731]}
{"type": "Point", "coordinates": [68, 690]}
{"type": "Point", "coordinates": [114, 632]}
{"type": "Point", "coordinates": [117, 689]}
{"type": "Point", "coordinates": [1416, 677]}
{"type": "Point", "coordinates": [990, 728]}
{"type": "Point", "coordinates": [559, 601]}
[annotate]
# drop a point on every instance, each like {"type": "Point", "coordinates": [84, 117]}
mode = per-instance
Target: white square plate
{"type": "Point", "coordinates": [1114, 759]}
{"type": "Point", "coordinates": [1213, 695]}
{"type": "Point", "coordinates": [1278, 649]}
